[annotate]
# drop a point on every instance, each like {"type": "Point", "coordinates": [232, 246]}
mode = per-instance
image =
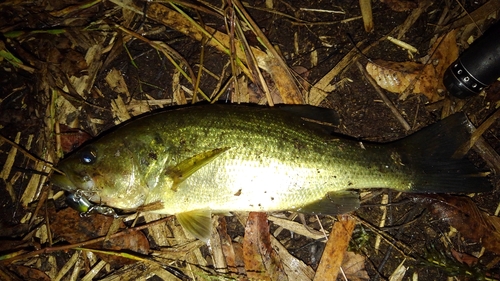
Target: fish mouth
{"type": "Point", "coordinates": [63, 182]}
{"type": "Point", "coordinates": [71, 183]}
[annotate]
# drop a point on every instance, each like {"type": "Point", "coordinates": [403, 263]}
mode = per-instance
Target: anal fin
{"type": "Point", "coordinates": [333, 203]}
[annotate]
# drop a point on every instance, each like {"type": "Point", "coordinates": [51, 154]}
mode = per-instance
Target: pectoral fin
{"type": "Point", "coordinates": [198, 223]}
{"type": "Point", "coordinates": [333, 203]}
{"type": "Point", "coordinates": [184, 169]}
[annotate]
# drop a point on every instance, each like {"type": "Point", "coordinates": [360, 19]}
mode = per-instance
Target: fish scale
{"type": "Point", "coordinates": [199, 160]}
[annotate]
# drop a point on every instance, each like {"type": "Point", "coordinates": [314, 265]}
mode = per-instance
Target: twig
{"type": "Point", "coordinates": [389, 239]}
{"type": "Point", "coordinates": [384, 98]}
{"type": "Point", "coordinates": [82, 244]}
{"type": "Point", "coordinates": [289, 92]}
{"type": "Point", "coordinates": [460, 152]}
{"type": "Point", "coordinates": [28, 154]}
{"type": "Point", "coordinates": [366, 12]}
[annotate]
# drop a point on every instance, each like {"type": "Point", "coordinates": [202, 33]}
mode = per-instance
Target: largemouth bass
{"type": "Point", "coordinates": [200, 160]}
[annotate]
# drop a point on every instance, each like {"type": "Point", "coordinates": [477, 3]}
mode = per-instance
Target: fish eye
{"type": "Point", "coordinates": [88, 156]}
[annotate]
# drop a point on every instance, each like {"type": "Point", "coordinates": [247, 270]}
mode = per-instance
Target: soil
{"type": "Point", "coordinates": [44, 94]}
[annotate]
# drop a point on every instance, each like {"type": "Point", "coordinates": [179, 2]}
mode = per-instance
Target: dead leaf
{"type": "Point", "coordinates": [398, 77]}
{"type": "Point", "coordinates": [231, 251]}
{"type": "Point", "coordinates": [417, 78]}
{"type": "Point", "coordinates": [400, 5]}
{"type": "Point", "coordinates": [464, 258]}
{"type": "Point", "coordinates": [399, 273]}
{"type": "Point", "coordinates": [28, 273]}
{"type": "Point", "coordinates": [117, 83]}
{"type": "Point", "coordinates": [261, 261]}
{"type": "Point", "coordinates": [72, 138]}
{"type": "Point", "coordinates": [14, 230]}
{"type": "Point", "coordinates": [304, 74]}
{"type": "Point", "coordinates": [332, 257]}
{"type": "Point", "coordinates": [444, 51]}
{"type": "Point", "coordinates": [7, 235]}
{"type": "Point", "coordinates": [354, 267]}
{"type": "Point", "coordinates": [272, 64]}
{"type": "Point", "coordinates": [73, 63]}
{"type": "Point", "coordinates": [70, 62]}
{"type": "Point", "coordinates": [68, 225]}
{"type": "Point", "coordinates": [461, 213]}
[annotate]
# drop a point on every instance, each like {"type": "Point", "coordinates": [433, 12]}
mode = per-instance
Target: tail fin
{"type": "Point", "coordinates": [429, 153]}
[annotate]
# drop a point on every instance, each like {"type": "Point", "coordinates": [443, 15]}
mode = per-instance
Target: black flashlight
{"type": "Point", "coordinates": [477, 67]}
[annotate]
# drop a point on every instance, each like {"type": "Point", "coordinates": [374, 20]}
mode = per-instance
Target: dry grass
{"type": "Point", "coordinates": [97, 64]}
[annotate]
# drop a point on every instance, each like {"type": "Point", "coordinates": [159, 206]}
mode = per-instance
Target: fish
{"type": "Point", "coordinates": [215, 159]}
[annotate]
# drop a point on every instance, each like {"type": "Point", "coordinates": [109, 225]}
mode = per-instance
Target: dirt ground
{"type": "Point", "coordinates": [72, 70]}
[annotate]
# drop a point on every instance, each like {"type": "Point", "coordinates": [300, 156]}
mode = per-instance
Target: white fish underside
{"type": "Point", "coordinates": [233, 184]}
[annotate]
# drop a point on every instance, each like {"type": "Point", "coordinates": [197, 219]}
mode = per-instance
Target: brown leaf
{"type": "Point", "coordinates": [400, 5]}
{"type": "Point", "coordinates": [261, 261]}
{"type": "Point", "coordinates": [73, 63]}
{"type": "Point", "coordinates": [461, 213]}
{"type": "Point", "coordinates": [491, 240]}
{"type": "Point", "coordinates": [354, 267]}
{"type": "Point", "coordinates": [231, 251]}
{"type": "Point", "coordinates": [70, 62]}
{"type": "Point", "coordinates": [464, 258]}
{"type": "Point", "coordinates": [443, 52]}
{"type": "Point", "coordinates": [68, 224]}
{"type": "Point", "coordinates": [72, 138]}
{"type": "Point", "coordinates": [14, 230]}
{"type": "Point", "coordinates": [417, 78]}
{"type": "Point", "coordinates": [28, 273]}
{"type": "Point", "coordinates": [398, 77]}
{"type": "Point", "coordinates": [332, 257]}
{"type": "Point", "coordinates": [7, 235]}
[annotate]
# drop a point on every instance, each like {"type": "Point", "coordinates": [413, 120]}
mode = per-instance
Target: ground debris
{"type": "Point", "coordinates": [353, 267]}
{"type": "Point", "coordinates": [261, 260]}
{"type": "Point", "coordinates": [414, 77]}
{"type": "Point", "coordinates": [69, 225]}
{"type": "Point", "coordinates": [464, 215]}
{"type": "Point", "coordinates": [67, 69]}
